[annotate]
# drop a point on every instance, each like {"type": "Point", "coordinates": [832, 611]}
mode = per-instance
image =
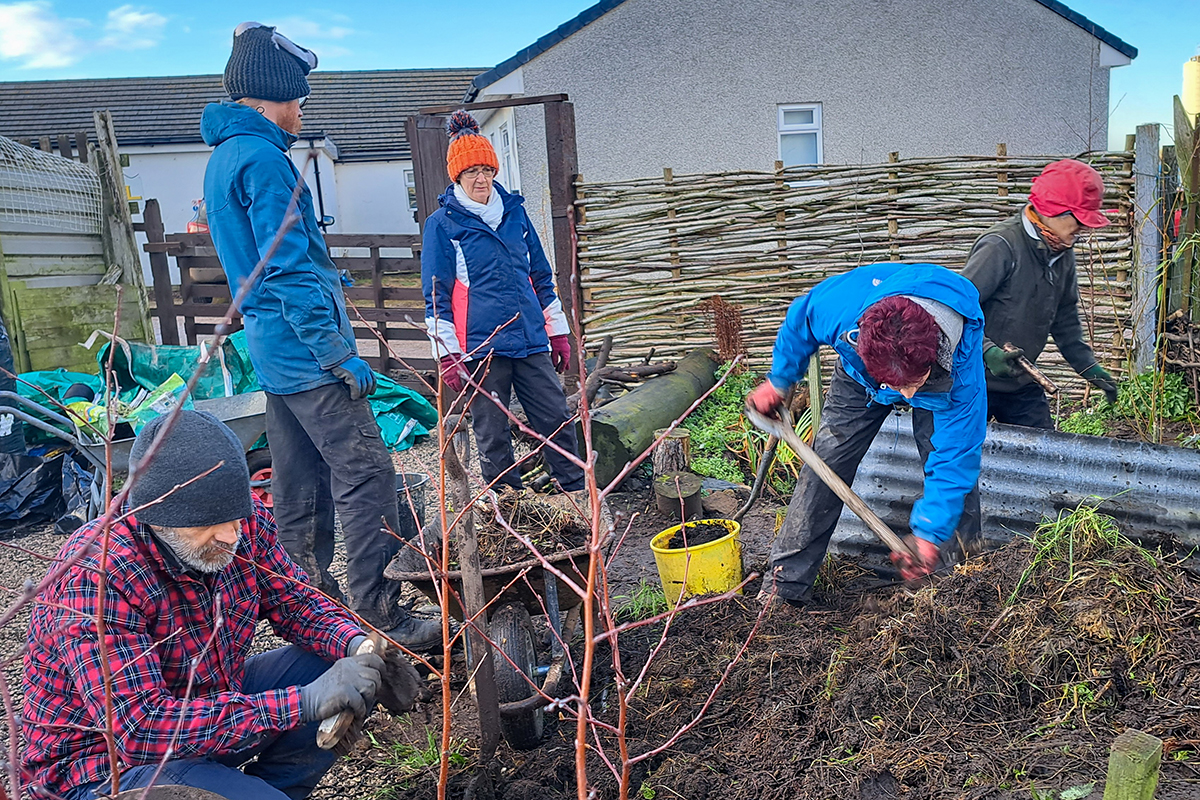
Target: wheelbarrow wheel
{"type": "Point", "coordinates": [511, 631]}
{"type": "Point", "coordinates": [259, 462]}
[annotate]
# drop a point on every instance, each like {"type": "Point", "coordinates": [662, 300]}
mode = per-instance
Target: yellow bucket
{"type": "Point", "coordinates": [709, 568]}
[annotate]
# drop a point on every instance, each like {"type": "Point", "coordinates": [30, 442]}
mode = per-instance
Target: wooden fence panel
{"type": "Point", "coordinates": [385, 297]}
{"type": "Point", "coordinates": [657, 248]}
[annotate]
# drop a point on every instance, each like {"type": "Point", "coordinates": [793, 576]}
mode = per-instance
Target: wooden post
{"type": "Point", "coordinates": [44, 144]}
{"type": "Point", "coordinates": [1187, 150]}
{"type": "Point", "coordinates": [160, 274]}
{"type": "Point", "coordinates": [428, 144]}
{"type": "Point", "coordinates": [1133, 766]}
{"type": "Point", "coordinates": [674, 454]}
{"type": "Point", "coordinates": [1002, 175]}
{"type": "Point", "coordinates": [64, 146]}
{"type": "Point", "coordinates": [562, 165]}
{"type": "Point", "coordinates": [781, 220]}
{"type": "Point", "coordinates": [81, 144]}
{"type": "Point", "coordinates": [120, 243]}
{"type": "Point", "coordinates": [892, 222]}
{"type": "Point", "coordinates": [381, 326]}
{"type": "Point", "coordinates": [815, 397]}
{"type": "Point", "coordinates": [1147, 221]}
{"type": "Point", "coordinates": [678, 493]}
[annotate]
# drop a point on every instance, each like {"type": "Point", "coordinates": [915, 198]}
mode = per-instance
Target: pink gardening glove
{"type": "Point", "coordinates": [560, 352]}
{"type": "Point", "coordinates": [454, 374]}
{"type": "Point", "coordinates": [910, 568]}
{"type": "Point", "coordinates": [765, 399]}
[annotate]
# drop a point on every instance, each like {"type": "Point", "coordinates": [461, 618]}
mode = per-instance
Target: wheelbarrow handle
{"type": "Point", "coordinates": [785, 429]}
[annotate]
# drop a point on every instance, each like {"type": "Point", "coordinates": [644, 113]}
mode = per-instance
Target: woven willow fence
{"type": "Point", "coordinates": [652, 251]}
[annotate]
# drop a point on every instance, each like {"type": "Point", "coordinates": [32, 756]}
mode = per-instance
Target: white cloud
{"type": "Point", "coordinates": [132, 28]}
{"type": "Point", "coordinates": [298, 29]}
{"type": "Point", "coordinates": [30, 32]}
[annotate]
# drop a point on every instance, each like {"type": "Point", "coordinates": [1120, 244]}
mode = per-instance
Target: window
{"type": "Point", "coordinates": [505, 152]}
{"type": "Point", "coordinates": [800, 134]}
{"type": "Point", "coordinates": [410, 186]}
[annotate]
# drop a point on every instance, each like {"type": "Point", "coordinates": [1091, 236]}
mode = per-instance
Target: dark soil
{"type": "Point", "coordinates": [694, 534]}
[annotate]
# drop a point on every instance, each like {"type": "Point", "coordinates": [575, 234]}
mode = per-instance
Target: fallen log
{"type": "Point", "coordinates": [624, 429]}
{"type": "Point", "coordinates": [622, 375]}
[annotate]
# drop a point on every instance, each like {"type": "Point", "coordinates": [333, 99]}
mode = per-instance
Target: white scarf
{"type": "Point", "coordinates": [490, 212]}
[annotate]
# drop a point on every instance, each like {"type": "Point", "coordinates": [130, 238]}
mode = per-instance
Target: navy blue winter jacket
{"type": "Point", "coordinates": [829, 315]}
{"type": "Point", "coordinates": [295, 316]}
{"type": "Point", "coordinates": [476, 279]}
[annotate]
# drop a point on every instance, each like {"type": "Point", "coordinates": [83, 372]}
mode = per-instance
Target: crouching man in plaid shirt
{"type": "Point", "coordinates": [189, 573]}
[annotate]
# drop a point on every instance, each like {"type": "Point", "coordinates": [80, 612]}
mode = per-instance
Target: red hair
{"type": "Point", "coordinates": [897, 341]}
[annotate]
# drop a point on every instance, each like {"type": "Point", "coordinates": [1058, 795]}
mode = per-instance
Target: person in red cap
{"type": "Point", "coordinates": [1024, 269]}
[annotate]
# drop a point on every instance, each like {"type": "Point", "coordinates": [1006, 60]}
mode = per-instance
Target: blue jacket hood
{"type": "Point", "coordinates": [222, 121]}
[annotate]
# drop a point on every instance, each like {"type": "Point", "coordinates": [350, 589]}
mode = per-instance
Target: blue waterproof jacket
{"type": "Point", "coordinates": [829, 315]}
{"type": "Point", "coordinates": [476, 279]}
{"type": "Point", "coordinates": [295, 316]}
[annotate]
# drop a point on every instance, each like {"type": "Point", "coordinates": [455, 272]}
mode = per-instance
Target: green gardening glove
{"type": "Point", "coordinates": [1001, 363]}
{"type": "Point", "coordinates": [1098, 376]}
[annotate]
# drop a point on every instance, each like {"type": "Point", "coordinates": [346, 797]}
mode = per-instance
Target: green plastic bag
{"type": "Point", "coordinates": [228, 372]}
{"type": "Point", "coordinates": [402, 413]}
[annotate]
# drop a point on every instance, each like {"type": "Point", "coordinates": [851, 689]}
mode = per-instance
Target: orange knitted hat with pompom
{"type": "Point", "coordinates": [467, 147]}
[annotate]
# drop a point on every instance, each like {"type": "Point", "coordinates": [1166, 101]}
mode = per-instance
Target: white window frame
{"type": "Point", "coordinates": [813, 127]}
{"type": "Point", "coordinates": [410, 189]}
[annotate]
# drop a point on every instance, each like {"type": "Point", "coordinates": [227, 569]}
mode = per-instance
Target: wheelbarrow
{"type": "Point", "coordinates": [512, 605]}
{"type": "Point", "coordinates": [245, 414]}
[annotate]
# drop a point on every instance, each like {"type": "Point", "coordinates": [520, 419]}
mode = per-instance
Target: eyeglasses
{"type": "Point", "coordinates": [475, 172]}
{"type": "Point", "coordinates": [303, 100]}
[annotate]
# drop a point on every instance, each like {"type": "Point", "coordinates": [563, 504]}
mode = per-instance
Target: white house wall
{"type": "Point", "coordinates": [696, 86]}
{"type": "Point", "coordinates": [373, 198]}
{"type": "Point", "coordinates": [362, 197]}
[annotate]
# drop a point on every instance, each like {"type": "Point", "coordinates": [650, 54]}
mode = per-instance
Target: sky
{"type": "Point", "coordinates": [54, 39]}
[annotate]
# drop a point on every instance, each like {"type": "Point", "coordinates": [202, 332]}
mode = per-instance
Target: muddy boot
{"type": "Point", "coordinates": [409, 560]}
{"type": "Point", "coordinates": [417, 633]}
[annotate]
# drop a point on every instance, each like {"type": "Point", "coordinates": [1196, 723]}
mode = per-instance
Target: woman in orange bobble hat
{"type": "Point", "coordinates": [481, 264]}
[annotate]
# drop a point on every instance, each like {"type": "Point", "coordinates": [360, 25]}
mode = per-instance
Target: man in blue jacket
{"type": "Point", "coordinates": [905, 334]}
{"type": "Point", "coordinates": [326, 449]}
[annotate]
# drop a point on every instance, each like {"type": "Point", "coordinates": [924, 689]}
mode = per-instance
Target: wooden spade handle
{"type": "Point", "coordinates": [332, 729]}
{"type": "Point", "coordinates": [784, 428]}
{"type": "Point", "coordinates": [1027, 365]}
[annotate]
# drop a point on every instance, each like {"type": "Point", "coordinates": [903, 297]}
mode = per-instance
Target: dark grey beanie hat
{"type": "Point", "coordinates": [197, 442]}
{"type": "Point", "coordinates": [266, 65]}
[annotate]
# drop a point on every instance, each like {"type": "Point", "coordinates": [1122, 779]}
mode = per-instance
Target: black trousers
{"type": "Point", "coordinates": [541, 395]}
{"type": "Point", "coordinates": [849, 422]}
{"type": "Point", "coordinates": [1026, 406]}
{"type": "Point", "coordinates": [327, 455]}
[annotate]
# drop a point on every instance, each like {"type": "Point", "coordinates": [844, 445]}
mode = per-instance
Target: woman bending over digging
{"type": "Point", "coordinates": [905, 334]}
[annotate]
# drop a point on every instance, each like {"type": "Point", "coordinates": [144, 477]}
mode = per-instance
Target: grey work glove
{"type": "Point", "coordinates": [402, 687]}
{"type": "Point", "coordinates": [1002, 363]}
{"type": "Point", "coordinates": [349, 685]}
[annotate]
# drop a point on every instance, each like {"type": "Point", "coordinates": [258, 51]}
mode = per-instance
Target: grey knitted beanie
{"type": "Point", "coordinates": [266, 65]}
{"type": "Point", "coordinates": [196, 443]}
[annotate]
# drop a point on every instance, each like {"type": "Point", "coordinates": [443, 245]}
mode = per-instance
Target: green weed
{"type": "Point", "coordinates": [1088, 421]}
{"type": "Point", "coordinates": [412, 760]}
{"type": "Point", "coordinates": [646, 601]}
{"type": "Point", "coordinates": [646, 791]}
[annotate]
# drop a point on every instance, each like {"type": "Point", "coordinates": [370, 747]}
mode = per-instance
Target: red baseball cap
{"type": "Point", "coordinates": [1073, 186]}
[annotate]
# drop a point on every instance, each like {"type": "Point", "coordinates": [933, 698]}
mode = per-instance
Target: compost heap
{"type": "Point", "coordinates": [1012, 674]}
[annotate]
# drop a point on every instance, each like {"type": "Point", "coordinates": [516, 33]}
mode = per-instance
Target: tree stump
{"type": "Point", "coordinates": [674, 454]}
{"type": "Point", "coordinates": [676, 491]}
{"type": "Point", "coordinates": [1133, 766]}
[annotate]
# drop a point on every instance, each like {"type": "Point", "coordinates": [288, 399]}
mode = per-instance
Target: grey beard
{"type": "Point", "coordinates": [211, 558]}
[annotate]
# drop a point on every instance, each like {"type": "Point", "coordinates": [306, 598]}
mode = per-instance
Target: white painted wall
{"type": "Point", "coordinates": [373, 198]}
{"type": "Point", "coordinates": [362, 197]}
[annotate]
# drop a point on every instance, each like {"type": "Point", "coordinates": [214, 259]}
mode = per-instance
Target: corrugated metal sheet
{"type": "Point", "coordinates": [1028, 474]}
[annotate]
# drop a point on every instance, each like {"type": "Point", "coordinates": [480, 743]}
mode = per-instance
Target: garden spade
{"type": "Point", "coordinates": [784, 428]}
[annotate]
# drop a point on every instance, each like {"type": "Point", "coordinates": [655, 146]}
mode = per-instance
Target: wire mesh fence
{"type": "Point", "coordinates": [45, 192]}
{"type": "Point", "coordinates": [653, 251]}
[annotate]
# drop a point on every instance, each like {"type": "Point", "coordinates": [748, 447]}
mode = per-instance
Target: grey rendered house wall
{"type": "Point", "coordinates": [695, 84]}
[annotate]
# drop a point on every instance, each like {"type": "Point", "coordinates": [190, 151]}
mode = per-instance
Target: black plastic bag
{"type": "Point", "coordinates": [76, 491]}
{"type": "Point", "coordinates": [30, 489]}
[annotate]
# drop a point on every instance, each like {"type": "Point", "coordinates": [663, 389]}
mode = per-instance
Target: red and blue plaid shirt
{"type": "Point", "coordinates": [159, 618]}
